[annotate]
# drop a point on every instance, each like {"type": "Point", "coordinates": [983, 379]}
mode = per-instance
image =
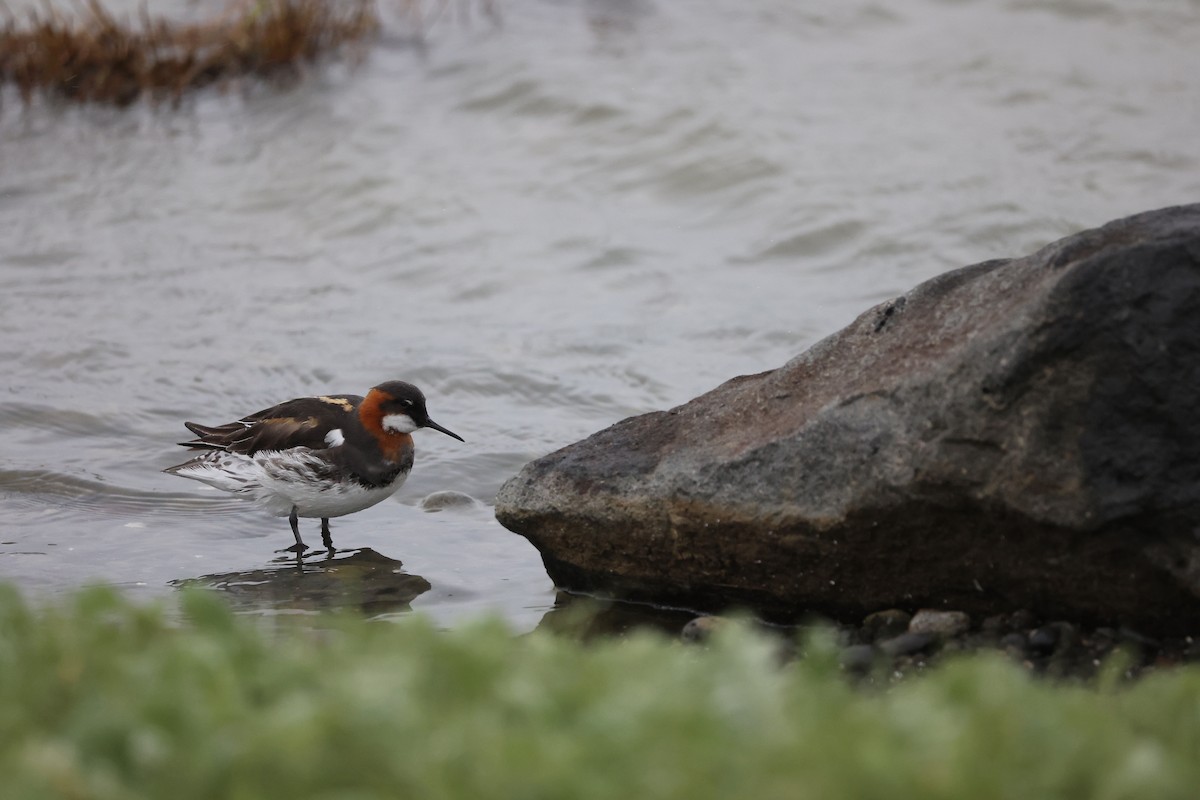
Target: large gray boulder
{"type": "Point", "coordinates": [1014, 434]}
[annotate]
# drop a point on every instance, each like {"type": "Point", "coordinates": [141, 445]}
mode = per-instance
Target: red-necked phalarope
{"type": "Point", "coordinates": [314, 456]}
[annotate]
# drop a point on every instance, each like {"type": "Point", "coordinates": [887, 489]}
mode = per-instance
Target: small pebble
{"type": "Point", "coordinates": [1021, 620]}
{"type": "Point", "coordinates": [1043, 640]}
{"type": "Point", "coordinates": [907, 644]}
{"type": "Point", "coordinates": [1014, 643]}
{"type": "Point", "coordinates": [941, 623]}
{"type": "Point", "coordinates": [701, 628]}
{"type": "Point", "coordinates": [885, 624]}
{"type": "Point", "coordinates": [440, 501]}
{"type": "Point", "coordinates": [1068, 635]}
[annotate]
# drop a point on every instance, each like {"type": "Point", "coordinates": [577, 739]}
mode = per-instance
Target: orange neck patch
{"type": "Point", "coordinates": [370, 414]}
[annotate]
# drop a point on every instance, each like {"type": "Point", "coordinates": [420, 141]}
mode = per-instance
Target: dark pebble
{"type": "Point", "coordinates": [885, 624]}
{"type": "Point", "coordinates": [908, 643]}
{"type": "Point", "coordinates": [1021, 620]}
{"type": "Point", "coordinates": [1014, 643]}
{"type": "Point", "coordinates": [857, 658]}
{"type": "Point", "coordinates": [1069, 635]}
{"type": "Point", "coordinates": [1043, 640]}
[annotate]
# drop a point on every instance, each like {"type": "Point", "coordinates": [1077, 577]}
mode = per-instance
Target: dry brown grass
{"type": "Point", "coordinates": [93, 56]}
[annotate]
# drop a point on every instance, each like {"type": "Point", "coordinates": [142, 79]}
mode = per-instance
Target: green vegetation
{"type": "Point", "coordinates": [105, 699]}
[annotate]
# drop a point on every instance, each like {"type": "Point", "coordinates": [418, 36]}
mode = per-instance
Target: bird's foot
{"type": "Point", "coordinates": [297, 548]}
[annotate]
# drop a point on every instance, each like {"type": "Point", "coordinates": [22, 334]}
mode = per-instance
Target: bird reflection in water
{"type": "Point", "coordinates": [362, 580]}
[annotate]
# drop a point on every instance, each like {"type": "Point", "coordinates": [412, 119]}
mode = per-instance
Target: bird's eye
{"type": "Point", "coordinates": [408, 403]}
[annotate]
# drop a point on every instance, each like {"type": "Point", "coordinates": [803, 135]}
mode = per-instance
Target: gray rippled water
{"type": "Point", "coordinates": [592, 209]}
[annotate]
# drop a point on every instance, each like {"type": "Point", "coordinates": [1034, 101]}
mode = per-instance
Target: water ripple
{"type": "Point", "coordinates": [66, 422]}
{"type": "Point", "coordinates": [46, 489]}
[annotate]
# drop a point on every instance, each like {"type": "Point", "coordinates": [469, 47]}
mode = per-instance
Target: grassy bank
{"type": "Point", "coordinates": [101, 699]}
{"type": "Point", "coordinates": [98, 57]}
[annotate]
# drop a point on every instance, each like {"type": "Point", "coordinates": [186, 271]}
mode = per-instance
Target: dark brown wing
{"type": "Point", "coordinates": [304, 422]}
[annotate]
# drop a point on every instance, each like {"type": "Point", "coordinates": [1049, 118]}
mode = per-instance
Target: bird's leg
{"type": "Point", "coordinates": [326, 538]}
{"type": "Point", "coordinates": [299, 546]}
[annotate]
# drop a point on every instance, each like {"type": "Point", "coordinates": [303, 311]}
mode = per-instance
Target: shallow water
{"type": "Point", "coordinates": [590, 210]}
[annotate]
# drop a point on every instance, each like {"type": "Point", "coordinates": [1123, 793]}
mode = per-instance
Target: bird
{"type": "Point", "coordinates": [314, 457]}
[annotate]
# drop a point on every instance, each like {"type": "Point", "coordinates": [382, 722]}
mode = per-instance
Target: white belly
{"type": "Point", "coordinates": [279, 481]}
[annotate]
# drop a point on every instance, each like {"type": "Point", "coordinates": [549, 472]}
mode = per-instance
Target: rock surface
{"type": "Point", "coordinates": [1017, 434]}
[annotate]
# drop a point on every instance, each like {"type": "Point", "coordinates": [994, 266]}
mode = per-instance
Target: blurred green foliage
{"type": "Point", "coordinates": [101, 698]}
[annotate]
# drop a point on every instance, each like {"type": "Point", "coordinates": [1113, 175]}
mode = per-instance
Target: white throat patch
{"type": "Point", "coordinates": [399, 423]}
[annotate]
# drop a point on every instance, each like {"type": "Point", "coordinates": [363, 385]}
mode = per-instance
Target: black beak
{"type": "Point", "coordinates": [431, 424]}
